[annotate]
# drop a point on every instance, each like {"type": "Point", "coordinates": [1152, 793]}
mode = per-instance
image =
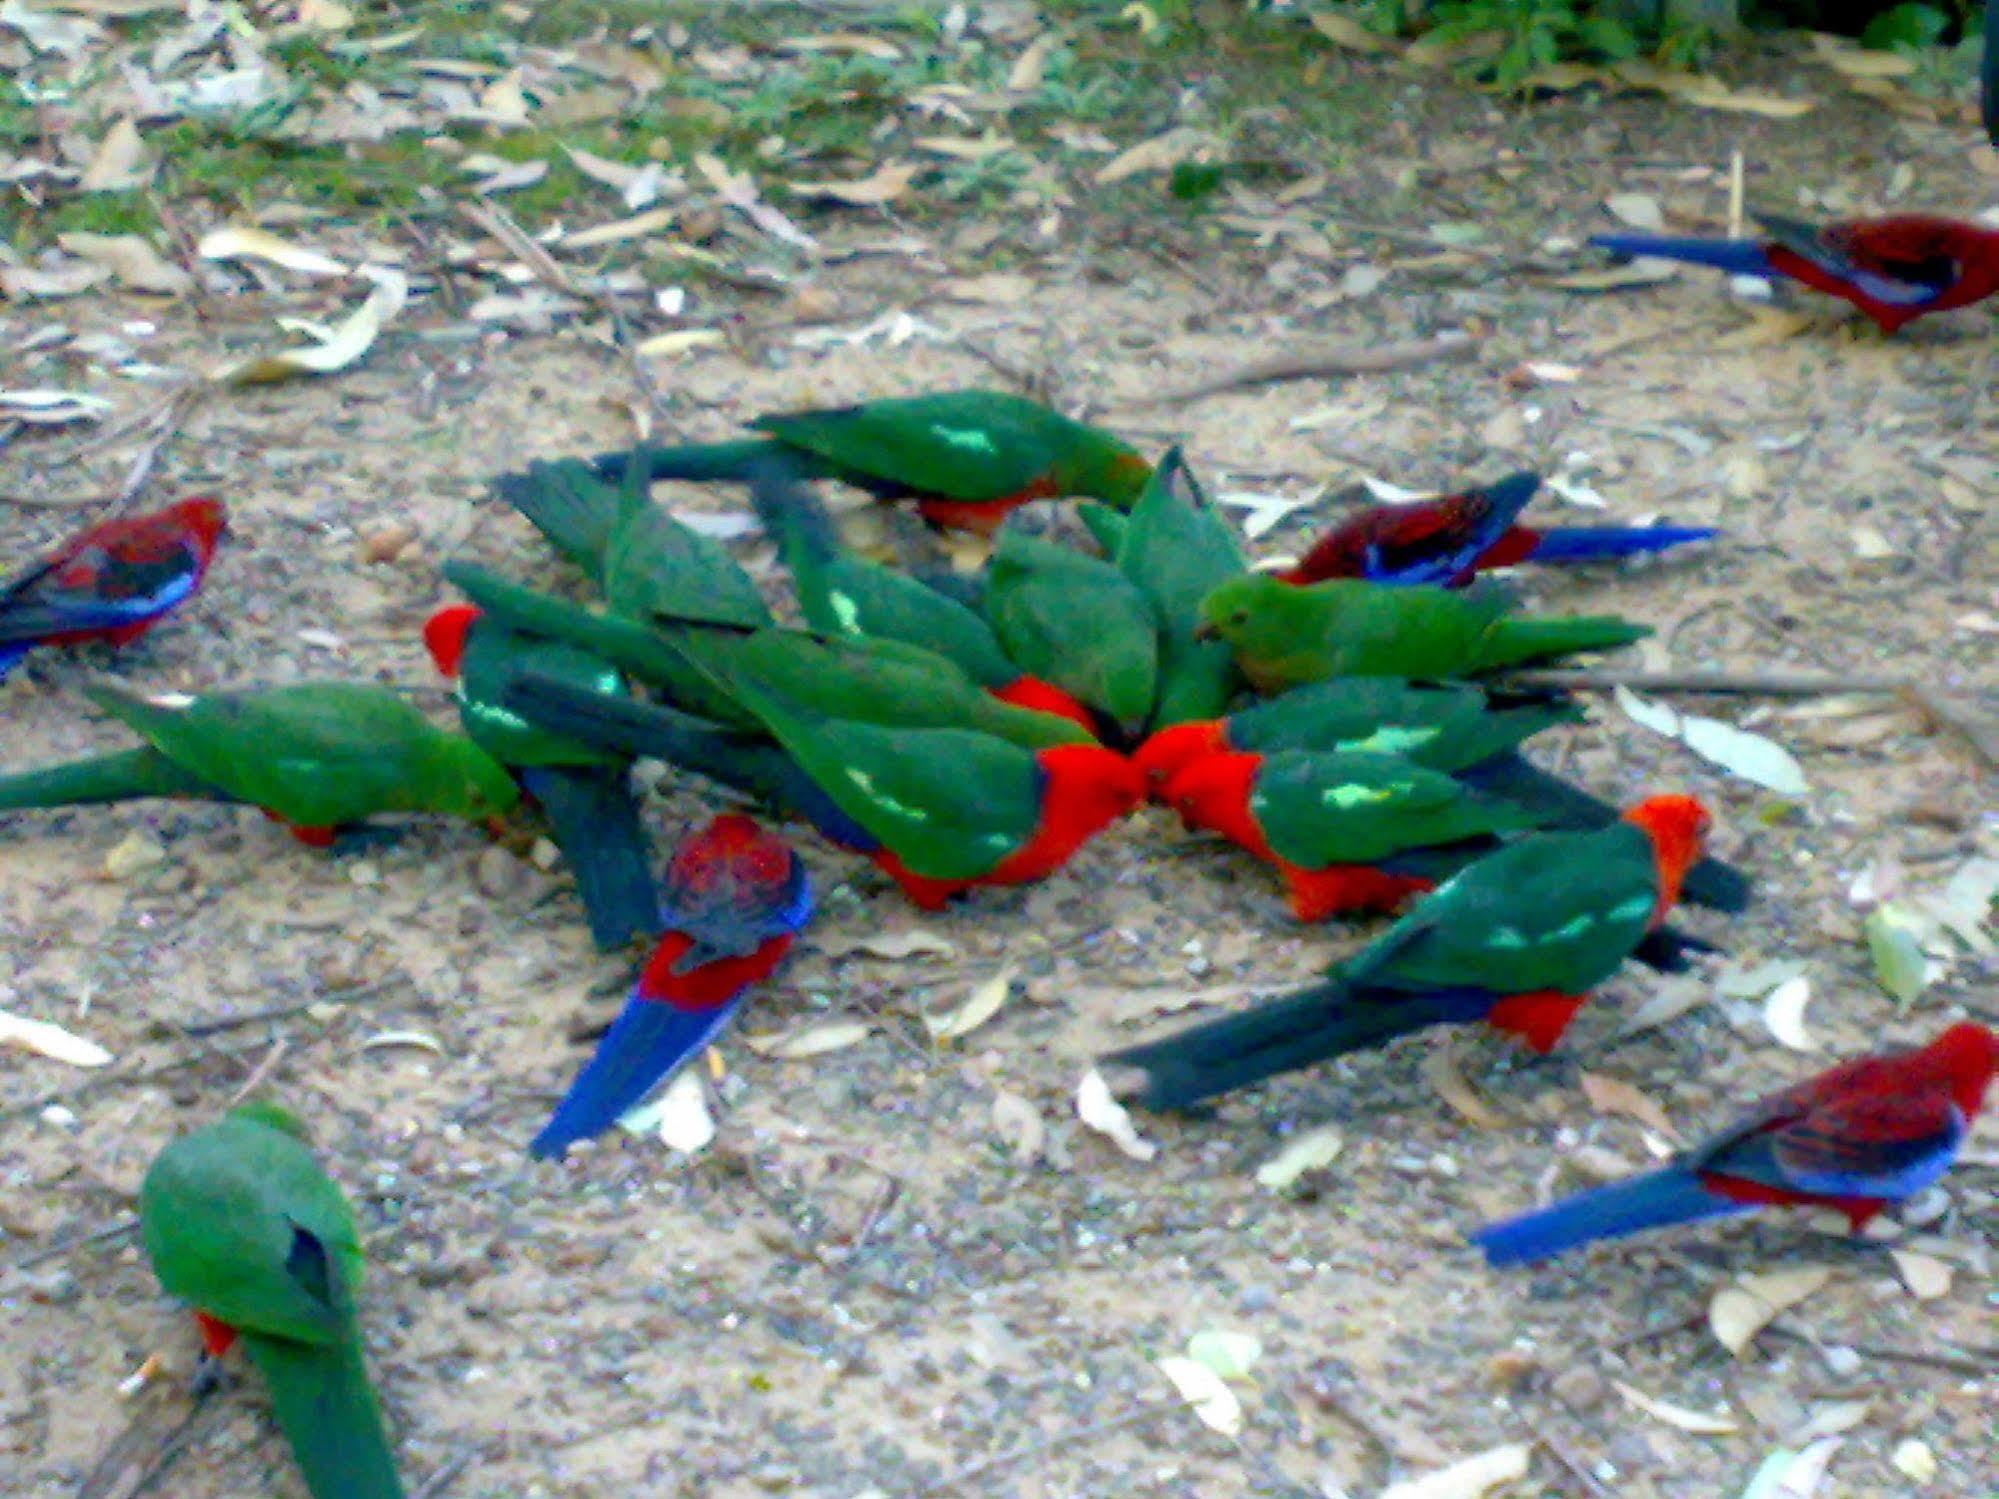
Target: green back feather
{"type": "Point", "coordinates": [1075, 621]}
{"type": "Point", "coordinates": [1444, 726]}
{"type": "Point", "coordinates": [494, 657]}
{"type": "Point", "coordinates": [1319, 808]}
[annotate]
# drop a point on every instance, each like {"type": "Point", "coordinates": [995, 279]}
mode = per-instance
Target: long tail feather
{"type": "Point", "coordinates": [568, 504]}
{"type": "Point", "coordinates": [704, 462]}
{"type": "Point", "coordinates": [1656, 1200]}
{"type": "Point", "coordinates": [11, 656]}
{"type": "Point", "coordinates": [1513, 641]}
{"type": "Point", "coordinates": [1740, 257]}
{"type": "Point", "coordinates": [646, 1045]}
{"type": "Point", "coordinates": [127, 775]}
{"type": "Point", "coordinates": [1598, 543]}
{"type": "Point", "coordinates": [324, 1404]}
{"type": "Point", "coordinates": [1280, 1035]}
{"type": "Point", "coordinates": [597, 828]}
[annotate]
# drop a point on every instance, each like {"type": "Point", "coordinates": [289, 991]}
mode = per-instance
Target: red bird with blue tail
{"type": "Point", "coordinates": [1856, 1138]}
{"type": "Point", "coordinates": [736, 897]}
{"type": "Point", "coordinates": [1894, 269]}
{"type": "Point", "coordinates": [113, 582]}
{"type": "Point", "coordinates": [1451, 539]}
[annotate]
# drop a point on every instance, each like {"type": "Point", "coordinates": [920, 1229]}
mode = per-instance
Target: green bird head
{"type": "Point", "coordinates": [1103, 468]}
{"type": "Point", "coordinates": [273, 1116]}
{"type": "Point", "coordinates": [1255, 613]}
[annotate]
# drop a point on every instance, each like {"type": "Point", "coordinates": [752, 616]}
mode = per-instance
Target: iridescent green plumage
{"type": "Point", "coordinates": [1319, 809]}
{"type": "Point", "coordinates": [1075, 621]}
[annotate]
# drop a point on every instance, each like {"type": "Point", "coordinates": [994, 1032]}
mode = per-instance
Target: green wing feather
{"type": "Point", "coordinates": [1319, 809]}
{"type": "Point", "coordinates": [1559, 911]}
{"type": "Point", "coordinates": [1441, 725]}
{"type": "Point", "coordinates": [1075, 621]}
{"type": "Point", "coordinates": [495, 657]}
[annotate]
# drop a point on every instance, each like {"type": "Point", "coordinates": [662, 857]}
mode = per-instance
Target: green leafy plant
{"type": "Point", "coordinates": [1534, 34]}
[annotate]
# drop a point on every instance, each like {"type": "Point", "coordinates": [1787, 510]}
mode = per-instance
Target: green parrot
{"type": "Point", "coordinates": [967, 457]}
{"type": "Point", "coordinates": [645, 562]}
{"type": "Point", "coordinates": [1178, 551]}
{"type": "Point", "coordinates": [242, 1224]}
{"type": "Point", "coordinates": [843, 593]}
{"type": "Point", "coordinates": [881, 680]}
{"type": "Point", "coordinates": [584, 789]}
{"type": "Point", "coordinates": [315, 756]}
{"type": "Point", "coordinates": [1076, 621]}
{"type": "Point", "coordinates": [950, 807]}
{"type": "Point", "coordinates": [1105, 525]}
{"type": "Point", "coordinates": [1284, 635]}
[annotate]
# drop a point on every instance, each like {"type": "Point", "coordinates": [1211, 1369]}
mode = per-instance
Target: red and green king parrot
{"type": "Point", "coordinates": [1517, 940]}
{"type": "Point", "coordinates": [315, 756]}
{"type": "Point", "coordinates": [242, 1224]}
{"type": "Point", "coordinates": [966, 457]}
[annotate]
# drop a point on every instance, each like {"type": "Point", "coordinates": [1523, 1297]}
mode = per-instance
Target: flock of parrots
{"type": "Point", "coordinates": [1339, 721]}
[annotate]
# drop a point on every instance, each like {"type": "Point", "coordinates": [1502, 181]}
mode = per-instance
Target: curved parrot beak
{"type": "Point", "coordinates": [1206, 630]}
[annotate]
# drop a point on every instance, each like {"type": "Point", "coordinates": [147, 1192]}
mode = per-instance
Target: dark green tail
{"type": "Point", "coordinates": [125, 776]}
{"type": "Point", "coordinates": [1511, 641]}
{"type": "Point", "coordinates": [708, 462]}
{"type": "Point", "coordinates": [569, 504]}
{"type": "Point", "coordinates": [596, 826]}
{"type": "Point", "coordinates": [328, 1412]}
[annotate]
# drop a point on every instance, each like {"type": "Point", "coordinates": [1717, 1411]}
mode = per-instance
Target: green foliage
{"type": "Point", "coordinates": [1535, 34]}
{"type": "Point", "coordinates": [1908, 27]}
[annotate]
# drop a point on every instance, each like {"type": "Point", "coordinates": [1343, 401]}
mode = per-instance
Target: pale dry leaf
{"type": "Point", "coordinates": [1927, 1277]}
{"type": "Point", "coordinates": [242, 242]}
{"type": "Point", "coordinates": [813, 1041]}
{"type": "Point", "coordinates": [636, 227]}
{"type": "Point", "coordinates": [1610, 1095]}
{"type": "Point", "coordinates": [1850, 61]}
{"type": "Point", "coordinates": [52, 408]}
{"type": "Point", "coordinates": [1441, 1072]}
{"type": "Point", "coordinates": [885, 184]}
{"type": "Point", "coordinates": [677, 1115]}
{"type": "Point", "coordinates": [503, 102]}
{"type": "Point", "coordinates": [129, 258]}
{"type": "Point", "coordinates": [1019, 1126]}
{"type": "Point", "coordinates": [1473, 1478]}
{"type": "Point", "coordinates": [1231, 1355]}
{"type": "Point", "coordinates": [1699, 1423]}
{"type": "Point", "coordinates": [727, 525]}
{"type": "Point", "coordinates": [1672, 996]}
{"type": "Point", "coordinates": [1784, 1013]}
{"type": "Point", "coordinates": [904, 942]}
{"type": "Point", "coordinates": [1639, 210]}
{"type": "Point", "coordinates": [1766, 326]}
{"type": "Point", "coordinates": [68, 278]}
{"type": "Point", "coordinates": [133, 854]}
{"type": "Point", "coordinates": [1162, 153]}
{"type": "Point", "coordinates": [979, 1006]}
{"type": "Point", "coordinates": [324, 15]}
{"type": "Point", "coordinates": [402, 1041]}
{"type": "Point", "coordinates": [1900, 965]}
{"type": "Point", "coordinates": [1309, 1150]}
{"type": "Point", "coordinates": [1265, 510]}
{"type": "Point", "coordinates": [120, 163]}
{"type": "Point", "coordinates": [1787, 1474]}
{"type": "Point", "coordinates": [1342, 30]}
{"type": "Point", "coordinates": [1031, 67]}
{"type": "Point", "coordinates": [1913, 1459]}
{"type": "Point", "coordinates": [1739, 1311]}
{"type": "Point", "coordinates": [681, 341]}
{"type": "Point", "coordinates": [333, 349]}
{"type": "Point", "coordinates": [1642, 272]}
{"type": "Point", "coordinates": [46, 1039]}
{"type": "Point", "coordinates": [1101, 1112]}
{"type": "Point", "coordinates": [1870, 545]}
{"type": "Point", "coordinates": [1213, 1402]}
{"type": "Point", "coordinates": [1750, 756]}
{"type": "Point", "coordinates": [855, 43]}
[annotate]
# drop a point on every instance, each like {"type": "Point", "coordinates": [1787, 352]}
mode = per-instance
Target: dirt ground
{"type": "Point", "coordinates": [868, 1285]}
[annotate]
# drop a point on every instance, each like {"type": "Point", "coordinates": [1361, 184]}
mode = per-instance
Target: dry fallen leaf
{"type": "Point", "coordinates": [1101, 1112]}
{"type": "Point", "coordinates": [1440, 1071]}
{"type": "Point", "coordinates": [1020, 1127]}
{"type": "Point", "coordinates": [335, 348]}
{"type": "Point", "coordinates": [1160, 154]}
{"type": "Point", "coordinates": [1231, 1355]}
{"type": "Point", "coordinates": [1900, 965]}
{"type": "Point", "coordinates": [813, 1041]}
{"type": "Point", "coordinates": [120, 163]}
{"type": "Point", "coordinates": [1914, 1459]}
{"type": "Point", "coordinates": [241, 242]}
{"type": "Point", "coordinates": [1784, 1013]}
{"type": "Point", "coordinates": [49, 1040]}
{"type": "Point", "coordinates": [1738, 1312]}
{"type": "Point", "coordinates": [980, 1006]}
{"type": "Point", "coordinates": [1343, 30]}
{"type": "Point", "coordinates": [905, 942]}
{"type": "Point", "coordinates": [1697, 1422]}
{"type": "Point", "coordinates": [131, 259]}
{"type": "Point", "coordinates": [1639, 210]}
{"type": "Point", "coordinates": [1786, 1474]}
{"type": "Point", "coordinates": [1212, 1400]}
{"type": "Point", "coordinates": [1311, 1150]}
{"type": "Point", "coordinates": [1609, 1095]}
{"type": "Point", "coordinates": [1750, 756]}
{"type": "Point", "coordinates": [52, 408]}
{"type": "Point", "coordinates": [681, 341]}
{"type": "Point", "coordinates": [1473, 1478]}
{"type": "Point", "coordinates": [400, 1041]}
{"type": "Point", "coordinates": [885, 184]}
{"type": "Point", "coordinates": [1927, 1277]}
{"type": "Point", "coordinates": [677, 1115]}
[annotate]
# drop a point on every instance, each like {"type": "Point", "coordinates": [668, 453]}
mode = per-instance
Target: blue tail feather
{"type": "Point", "coordinates": [11, 657]}
{"type": "Point", "coordinates": [647, 1043]}
{"type": "Point", "coordinates": [1596, 543]}
{"type": "Point", "coordinates": [1656, 1200]}
{"type": "Point", "coordinates": [1739, 257]}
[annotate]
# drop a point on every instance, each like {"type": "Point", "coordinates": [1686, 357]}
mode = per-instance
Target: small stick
{"type": "Point", "coordinates": [1027, 1451]}
{"type": "Point", "coordinates": [1653, 1334]}
{"type": "Point", "coordinates": [1556, 1448]}
{"type": "Point", "coordinates": [109, 1231]}
{"type": "Point", "coordinates": [1322, 363]}
{"type": "Point", "coordinates": [1766, 683]}
{"type": "Point", "coordinates": [449, 1474]}
{"type": "Point", "coordinates": [1735, 196]}
{"type": "Point", "coordinates": [1949, 1363]}
{"type": "Point", "coordinates": [259, 1074]}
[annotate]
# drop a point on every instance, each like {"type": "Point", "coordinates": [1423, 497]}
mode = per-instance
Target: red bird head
{"type": "Point", "coordinates": [205, 517]}
{"type": "Point", "coordinates": [1173, 749]}
{"type": "Point", "coordinates": [1085, 789]}
{"type": "Point", "coordinates": [445, 633]}
{"type": "Point", "coordinates": [1970, 1057]}
{"type": "Point", "coordinates": [1214, 793]}
{"type": "Point", "coordinates": [732, 848]}
{"type": "Point", "coordinates": [1677, 826]}
{"type": "Point", "coordinates": [1046, 697]}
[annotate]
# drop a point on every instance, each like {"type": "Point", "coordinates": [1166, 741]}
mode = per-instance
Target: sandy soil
{"type": "Point", "coordinates": [863, 1288]}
